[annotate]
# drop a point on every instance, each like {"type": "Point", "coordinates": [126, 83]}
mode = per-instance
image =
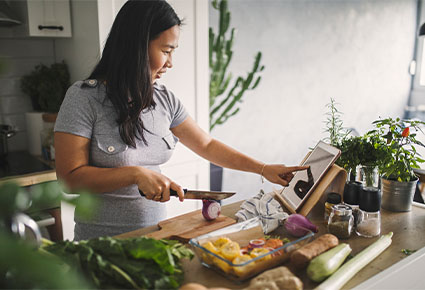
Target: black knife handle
{"type": "Point", "coordinates": [172, 192]}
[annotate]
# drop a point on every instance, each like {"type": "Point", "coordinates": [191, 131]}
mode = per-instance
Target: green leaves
{"type": "Point", "coordinates": [334, 125]}
{"type": "Point", "coordinates": [27, 268]}
{"type": "Point", "coordinates": [47, 86]}
{"type": "Point", "coordinates": [400, 137]}
{"type": "Point", "coordinates": [126, 263]}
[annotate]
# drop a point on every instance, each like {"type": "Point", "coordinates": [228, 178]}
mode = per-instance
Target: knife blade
{"type": "Point", "coordinates": [200, 194]}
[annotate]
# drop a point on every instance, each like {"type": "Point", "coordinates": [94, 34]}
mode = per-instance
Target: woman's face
{"type": "Point", "coordinates": [161, 51]}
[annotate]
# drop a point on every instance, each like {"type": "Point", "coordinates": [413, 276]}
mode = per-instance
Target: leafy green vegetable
{"type": "Point", "coordinates": [407, 252]}
{"type": "Point", "coordinates": [126, 263]}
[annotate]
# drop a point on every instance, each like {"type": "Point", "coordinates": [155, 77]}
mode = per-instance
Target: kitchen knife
{"type": "Point", "coordinates": [200, 194]}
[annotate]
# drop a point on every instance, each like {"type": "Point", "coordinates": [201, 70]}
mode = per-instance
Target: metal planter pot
{"type": "Point", "coordinates": [396, 195]}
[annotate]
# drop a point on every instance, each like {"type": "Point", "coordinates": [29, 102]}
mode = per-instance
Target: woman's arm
{"type": "Point", "coordinates": [196, 139]}
{"type": "Point", "coordinates": [72, 166]}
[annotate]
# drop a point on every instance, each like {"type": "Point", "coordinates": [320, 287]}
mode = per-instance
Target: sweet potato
{"type": "Point", "coordinates": [301, 257]}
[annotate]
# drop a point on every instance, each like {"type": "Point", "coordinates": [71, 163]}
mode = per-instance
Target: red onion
{"type": "Point", "coordinates": [210, 209]}
{"type": "Point", "coordinates": [298, 225]}
{"type": "Point", "coordinates": [256, 243]}
{"type": "Point", "coordinates": [244, 252]}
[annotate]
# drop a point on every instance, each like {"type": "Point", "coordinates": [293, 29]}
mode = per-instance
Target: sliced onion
{"type": "Point", "coordinates": [210, 209]}
{"type": "Point", "coordinates": [277, 253]}
{"type": "Point", "coordinates": [244, 252]}
{"type": "Point", "coordinates": [256, 243]}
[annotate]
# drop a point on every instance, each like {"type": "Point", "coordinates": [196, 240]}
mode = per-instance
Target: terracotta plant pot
{"type": "Point", "coordinates": [50, 117]}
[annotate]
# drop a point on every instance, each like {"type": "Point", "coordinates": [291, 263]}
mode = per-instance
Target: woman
{"type": "Point", "coordinates": [115, 128]}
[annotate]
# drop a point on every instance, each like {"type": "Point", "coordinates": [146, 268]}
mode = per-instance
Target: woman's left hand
{"type": "Point", "coordinates": [281, 174]}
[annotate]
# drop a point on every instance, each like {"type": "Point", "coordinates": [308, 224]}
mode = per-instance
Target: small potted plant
{"type": "Point", "coordinates": [46, 86]}
{"type": "Point", "coordinates": [397, 176]}
{"type": "Point", "coordinates": [372, 154]}
{"type": "Point", "coordinates": [365, 153]}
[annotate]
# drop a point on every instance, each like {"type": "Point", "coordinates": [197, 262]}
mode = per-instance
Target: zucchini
{"type": "Point", "coordinates": [349, 269]}
{"type": "Point", "coordinates": [327, 263]}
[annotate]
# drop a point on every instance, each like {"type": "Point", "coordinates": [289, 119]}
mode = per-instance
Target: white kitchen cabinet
{"type": "Point", "coordinates": [49, 18]}
{"type": "Point", "coordinates": [40, 18]}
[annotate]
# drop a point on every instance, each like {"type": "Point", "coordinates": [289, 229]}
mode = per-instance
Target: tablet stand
{"type": "Point", "coordinates": [333, 181]}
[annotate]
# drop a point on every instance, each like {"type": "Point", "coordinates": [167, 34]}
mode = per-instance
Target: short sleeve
{"type": "Point", "coordinates": [76, 115]}
{"type": "Point", "coordinates": [178, 111]}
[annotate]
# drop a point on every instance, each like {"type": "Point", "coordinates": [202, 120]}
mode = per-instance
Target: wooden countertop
{"type": "Point", "coordinates": [408, 229]}
{"type": "Point", "coordinates": [31, 178]}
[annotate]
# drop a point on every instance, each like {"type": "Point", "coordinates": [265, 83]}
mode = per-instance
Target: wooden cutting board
{"type": "Point", "coordinates": [188, 226]}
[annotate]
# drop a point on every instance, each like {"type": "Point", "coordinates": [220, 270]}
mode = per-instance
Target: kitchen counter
{"type": "Point", "coordinates": [408, 229]}
{"type": "Point", "coordinates": [26, 169]}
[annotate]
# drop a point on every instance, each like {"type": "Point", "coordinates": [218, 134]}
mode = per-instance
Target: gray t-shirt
{"type": "Point", "coordinates": [87, 112]}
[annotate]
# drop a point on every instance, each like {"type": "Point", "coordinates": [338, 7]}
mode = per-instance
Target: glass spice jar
{"type": "Point", "coordinates": [369, 224]}
{"type": "Point", "coordinates": [341, 221]}
{"type": "Point", "coordinates": [332, 199]}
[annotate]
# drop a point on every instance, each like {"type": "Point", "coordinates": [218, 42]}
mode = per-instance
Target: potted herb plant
{"type": "Point", "coordinates": [225, 91]}
{"type": "Point", "coordinates": [46, 86]}
{"type": "Point", "coordinates": [397, 176]}
{"type": "Point", "coordinates": [365, 153]}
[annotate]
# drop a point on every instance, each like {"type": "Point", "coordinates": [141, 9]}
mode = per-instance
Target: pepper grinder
{"type": "Point", "coordinates": [351, 197]}
{"type": "Point", "coordinates": [369, 220]}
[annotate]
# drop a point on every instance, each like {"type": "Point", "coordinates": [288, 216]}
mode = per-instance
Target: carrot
{"type": "Point", "coordinates": [301, 257]}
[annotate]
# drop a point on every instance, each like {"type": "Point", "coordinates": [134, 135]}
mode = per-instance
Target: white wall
{"type": "Point", "coordinates": [81, 52]}
{"type": "Point", "coordinates": [356, 52]}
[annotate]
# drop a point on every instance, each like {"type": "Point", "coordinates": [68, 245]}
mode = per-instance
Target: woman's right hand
{"type": "Point", "coordinates": [156, 186]}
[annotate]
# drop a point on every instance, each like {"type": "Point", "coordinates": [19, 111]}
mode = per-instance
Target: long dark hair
{"type": "Point", "coordinates": [124, 64]}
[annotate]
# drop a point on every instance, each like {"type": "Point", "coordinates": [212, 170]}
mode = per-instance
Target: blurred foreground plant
{"type": "Point", "coordinates": [21, 264]}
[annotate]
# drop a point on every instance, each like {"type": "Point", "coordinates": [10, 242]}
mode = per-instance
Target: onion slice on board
{"type": "Point", "coordinates": [210, 209]}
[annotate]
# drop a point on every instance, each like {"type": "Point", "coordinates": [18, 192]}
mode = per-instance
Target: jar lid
{"type": "Point", "coordinates": [333, 198]}
{"type": "Point", "coordinates": [352, 192]}
{"type": "Point", "coordinates": [370, 199]}
{"type": "Point", "coordinates": [342, 209]}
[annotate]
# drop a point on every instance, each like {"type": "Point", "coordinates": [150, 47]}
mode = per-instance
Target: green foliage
{"type": "Point", "coordinates": [225, 93]}
{"type": "Point", "coordinates": [21, 266]}
{"type": "Point", "coordinates": [14, 199]}
{"type": "Point", "coordinates": [400, 146]}
{"type": "Point", "coordinates": [47, 86]}
{"type": "Point", "coordinates": [334, 125]}
{"type": "Point", "coordinates": [141, 263]}
{"type": "Point", "coordinates": [368, 150]}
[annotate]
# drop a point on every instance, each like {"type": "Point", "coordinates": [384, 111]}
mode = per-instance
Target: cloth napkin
{"type": "Point", "coordinates": [266, 208]}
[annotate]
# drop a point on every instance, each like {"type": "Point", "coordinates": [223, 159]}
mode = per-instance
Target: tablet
{"type": "Point", "coordinates": [302, 185]}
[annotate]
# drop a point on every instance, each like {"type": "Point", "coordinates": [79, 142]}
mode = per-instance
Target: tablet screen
{"type": "Point", "coordinates": [300, 186]}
